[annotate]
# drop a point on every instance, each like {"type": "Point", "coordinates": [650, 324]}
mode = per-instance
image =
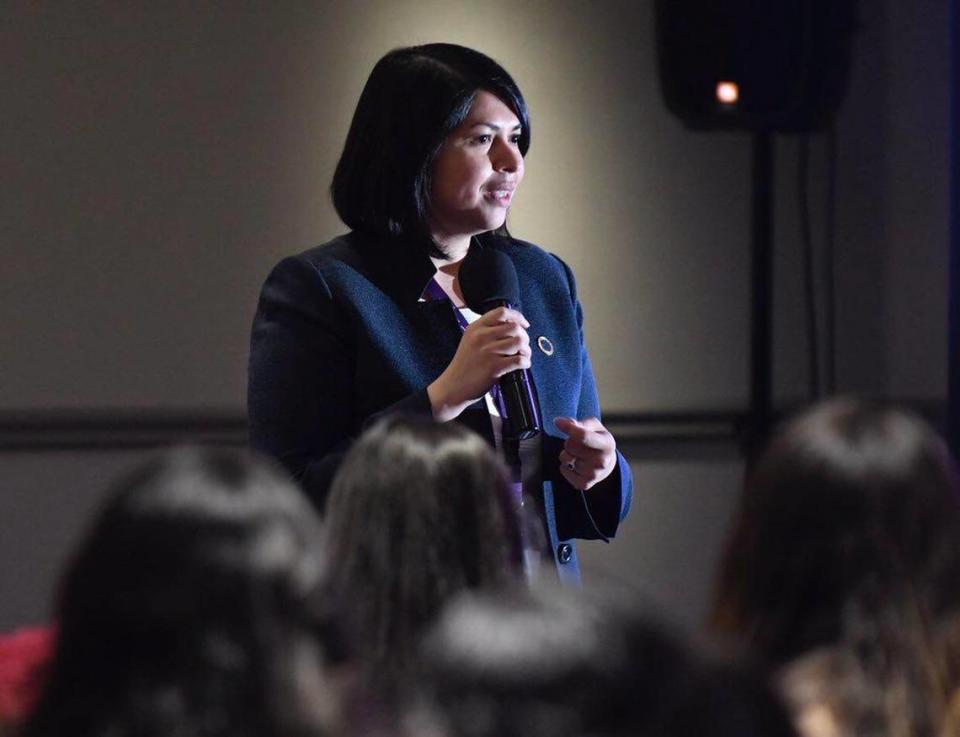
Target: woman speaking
{"type": "Point", "coordinates": [375, 321]}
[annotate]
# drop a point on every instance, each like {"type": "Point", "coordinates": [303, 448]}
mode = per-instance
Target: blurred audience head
{"type": "Point", "coordinates": [188, 609]}
{"type": "Point", "coordinates": [847, 529]}
{"type": "Point", "coordinates": [839, 691]}
{"type": "Point", "coordinates": [553, 663]}
{"type": "Point", "coordinates": [418, 512]}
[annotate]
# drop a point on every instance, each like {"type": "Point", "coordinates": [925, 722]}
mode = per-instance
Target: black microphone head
{"type": "Point", "coordinates": [487, 279]}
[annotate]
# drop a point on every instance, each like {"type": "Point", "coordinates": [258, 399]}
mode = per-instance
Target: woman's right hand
{"type": "Point", "coordinates": [494, 345]}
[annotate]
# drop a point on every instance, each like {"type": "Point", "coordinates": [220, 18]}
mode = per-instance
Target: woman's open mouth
{"type": "Point", "coordinates": [499, 196]}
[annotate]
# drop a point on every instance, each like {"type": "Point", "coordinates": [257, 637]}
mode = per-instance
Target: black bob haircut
{"type": "Point", "coordinates": [415, 97]}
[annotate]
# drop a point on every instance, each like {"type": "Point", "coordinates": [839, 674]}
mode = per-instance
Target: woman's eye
{"type": "Point", "coordinates": [515, 138]}
{"type": "Point", "coordinates": [483, 139]}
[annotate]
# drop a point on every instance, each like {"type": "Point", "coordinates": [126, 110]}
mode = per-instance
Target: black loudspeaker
{"type": "Point", "coordinates": [759, 65]}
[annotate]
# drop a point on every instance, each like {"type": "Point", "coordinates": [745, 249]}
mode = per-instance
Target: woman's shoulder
{"type": "Point", "coordinates": [529, 256]}
{"type": "Point", "coordinates": [339, 258]}
{"type": "Point", "coordinates": [325, 265]}
{"type": "Point", "coordinates": [523, 251]}
{"type": "Point", "coordinates": [341, 249]}
{"type": "Point", "coordinates": [356, 263]}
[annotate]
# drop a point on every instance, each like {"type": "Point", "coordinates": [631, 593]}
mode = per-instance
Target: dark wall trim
{"type": "Point", "coordinates": [102, 429]}
{"type": "Point", "coordinates": [710, 425]}
{"type": "Point", "coordinates": [45, 430]}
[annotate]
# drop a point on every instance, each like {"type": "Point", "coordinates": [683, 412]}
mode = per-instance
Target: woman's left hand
{"type": "Point", "coordinates": [589, 453]}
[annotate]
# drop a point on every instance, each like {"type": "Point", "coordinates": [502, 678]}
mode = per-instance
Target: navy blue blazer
{"type": "Point", "coordinates": [341, 337]}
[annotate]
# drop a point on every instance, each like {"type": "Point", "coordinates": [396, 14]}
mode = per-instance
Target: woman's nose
{"type": "Point", "coordinates": [506, 156]}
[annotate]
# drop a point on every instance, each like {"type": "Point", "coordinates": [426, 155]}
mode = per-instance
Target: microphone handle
{"type": "Point", "coordinates": [518, 407]}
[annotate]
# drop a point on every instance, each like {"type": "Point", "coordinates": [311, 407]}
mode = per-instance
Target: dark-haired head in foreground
{"type": "Point", "coordinates": [188, 609]}
{"type": "Point", "coordinates": [553, 663]}
{"type": "Point", "coordinates": [842, 691]}
{"type": "Point", "coordinates": [419, 511]}
{"type": "Point", "coordinates": [848, 527]}
{"type": "Point", "coordinates": [414, 99]}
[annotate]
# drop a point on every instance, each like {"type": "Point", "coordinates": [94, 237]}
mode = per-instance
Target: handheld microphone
{"type": "Point", "coordinates": [488, 280]}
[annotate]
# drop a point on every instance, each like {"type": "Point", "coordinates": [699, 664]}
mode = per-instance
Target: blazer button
{"type": "Point", "coordinates": [564, 552]}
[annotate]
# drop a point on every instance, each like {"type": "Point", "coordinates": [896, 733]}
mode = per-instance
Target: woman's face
{"type": "Point", "coordinates": [477, 171]}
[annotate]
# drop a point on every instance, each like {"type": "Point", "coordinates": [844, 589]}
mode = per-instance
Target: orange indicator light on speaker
{"type": "Point", "coordinates": [728, 93]}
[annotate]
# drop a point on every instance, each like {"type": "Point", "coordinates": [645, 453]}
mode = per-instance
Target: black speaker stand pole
{"type": "Point", "coordinates": [761, 290]}
{"type": "Point", "coordinates": [953, 321]}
